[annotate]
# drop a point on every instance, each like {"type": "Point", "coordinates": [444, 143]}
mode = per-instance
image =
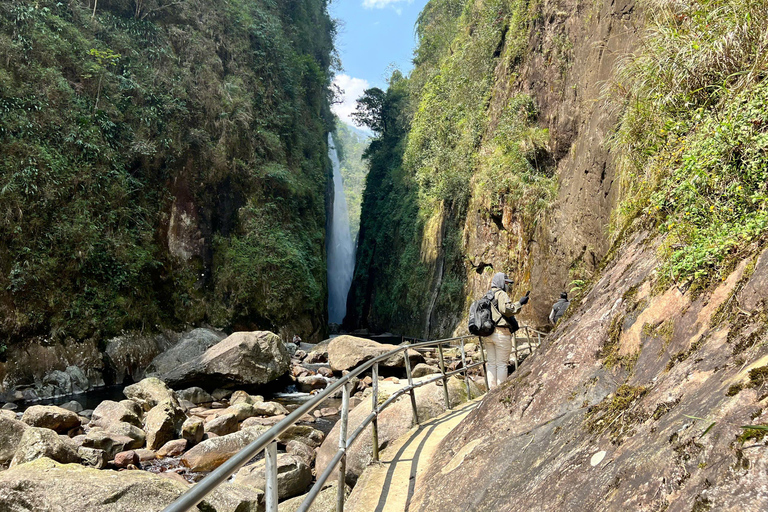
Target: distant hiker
{"type": "Point", "coordinates": [498, 344]}
{"type": "Point", "coordinates": [558, 308]}
{"type": "Point", "coordinates": [296, 339]}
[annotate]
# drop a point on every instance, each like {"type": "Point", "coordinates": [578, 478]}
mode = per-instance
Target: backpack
{"type": "Point", "coordinates": [480, 318]}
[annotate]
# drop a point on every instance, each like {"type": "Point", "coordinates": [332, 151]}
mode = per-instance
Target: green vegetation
{"type": "Point", "coordinates": [694, 134]}
{"type": "Point", "coordinates": [615, 414]}
{"type": "Point", "coordinates": [119, 127]}
{"type": "Point", "coordinates": [351, 144]}
{"type": "Point", "coordinates": [444, 136]}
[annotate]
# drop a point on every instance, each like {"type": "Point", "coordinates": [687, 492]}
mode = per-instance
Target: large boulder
{"type": "Point", "coordinates": [191, 345]}
{"type": "Point", "coordinates": [37, 442]}
{"type": "Point", "coordinates": [11, 431]}
{"type": "Point", "coordinates": [163, 423]}
{"type": "Point", "coordinates": [222, 425]}
{"type": "Point", "coordinates": [129, 355]}
{"type": "Point", "coordinates": [242, 358]}
{"type": "Point", "coordinates": [212, 453]}
{"type": "Point", "coordinates": [324, 502]}
{"type": "Point", "coordinates": [195, 395]}
{"type": "Point", "coordinates": [150, 392]}
{"type": "Point", "coordinates": [269, 409]}
{"type": "Point", "coordinates": [109, 412]}
{"type": "Point", "coordinates": [293, 476]}
{"type": "Point", "coordinates": [52, 417]}
{"type": "Point", "coordinates": [109, 442]}
{"type": "Point", "coordinates": [394, 421]}
{"type": "Point", "coordinates": [126, 429]}
{"type": "Point", "coordinates": [193, 430]}
{"type": "Point", "coordinates": [347, 352]}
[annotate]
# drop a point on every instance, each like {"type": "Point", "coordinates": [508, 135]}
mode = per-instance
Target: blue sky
{"type": "Point", "coordinates": [375, 37]}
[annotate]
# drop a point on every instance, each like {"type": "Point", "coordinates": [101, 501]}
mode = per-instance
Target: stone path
{"type": "Point", "coordinates": [389, 485]}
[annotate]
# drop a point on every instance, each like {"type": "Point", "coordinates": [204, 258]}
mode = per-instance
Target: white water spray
{"type": "Point", "coordinates": [341, 248]}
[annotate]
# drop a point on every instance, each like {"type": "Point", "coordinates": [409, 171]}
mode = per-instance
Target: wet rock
{"type": "Point", "coordinates": [347, 352]}
{"type": "Point", "coordinates": [195, 395]}
{"type": "Point", "coordinates": [269, 409]}
{"type": "Point", "coordinates": [11, 431]}
{"type": "Point", "coordinates": [211, 453]}
{"type": "Point", "coordinates": [109, 412]}
{"type": "Point", "coordinates": [172, 448]}
{"type": "Point", "coordinates": [150, 392]}
{"type": "Point", "coordinates": [222, 425]}
{"type": "Point", "coordinates": [422, 370]}
{"type": "Point", "coordinates": [242, 358]}
{"type": "Point", "coordinates": [311, 382]}
{"type": "Point", "coordinates": [293, 476]}
{"type": "Point", "coordinates": [163, 423]}
{"type": "Point", "coordinates": [92, 457]}
{"type": "Point", "coordinates": [193, 430]}
{"type": "Point", "coordinates": [126, 459]}
{"type": "Point", "coordinates": [52, 417]}
{"type": "Point", "coordinates": [191, 344]}
{"type": "Point", "coordinates": [43, 442]}
{"type": "Point", "coordinates": [72, 405]}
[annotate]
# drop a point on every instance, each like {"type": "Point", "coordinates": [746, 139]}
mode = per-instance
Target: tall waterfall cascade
{"type": "Point", "coordinates": [341, 247]}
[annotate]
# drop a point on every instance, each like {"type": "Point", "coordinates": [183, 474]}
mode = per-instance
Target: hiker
{"type": "Point", "coordinates": [558, 308]}
{"type": "Point", "coordinates": [498, 344]}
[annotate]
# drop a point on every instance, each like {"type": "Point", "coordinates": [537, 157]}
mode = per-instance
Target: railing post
{"type": "Point", "coordinates": [343, 446]}
{"type": "Point", "coordinates": [411, 391]}
{"type": "Point", "coordinates": [514, 344]}
{"type": "Point", "coordinates": [270, 458]}
{"type": "Point", "coordinates": [466, 372]}
{"type": "Point", "coordinates": [375, 410]}
{"type": "Point", "coordinates": [445, 379]}
{"type": "Point", "coordinates": [485, 362]}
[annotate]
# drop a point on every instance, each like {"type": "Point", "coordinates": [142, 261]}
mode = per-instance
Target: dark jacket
{"type": "Point", "coordinates": [558, 310]}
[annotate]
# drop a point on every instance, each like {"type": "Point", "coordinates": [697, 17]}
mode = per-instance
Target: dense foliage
{"type": "Point", "coordinates": [695, 135]}
{"type": "Point", "coordinates": [444, 136]}
{"type": "Point", "coordinates": [123, 120]}
{"type": "Point", "coordinates": [351, 143]}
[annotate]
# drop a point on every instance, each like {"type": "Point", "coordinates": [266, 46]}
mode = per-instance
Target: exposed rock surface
{"type": "Point", "coordinates": [293, 475]}
{"type": "Point", "coordinates": [52, 417]}
{"type": "Point", "coordinates": [242, 358]}
{"type": "Point", "coordinates": [163, 423]}
{"type": "Point", "coordinates": [212, 453]}
{"type": "Point", "coordinates": [191, 345]}
{"type": "Point", "coordinates": [128, 356]}
{"type": "Point", "coordinates": [150, 392]}
{"type": "Point", "coordinates": [36, 443]}
{"type": "Point", "coordinates": [195, 395]}
{"type": "Point", "coordinates": [325, 501]}
{"type": "Point", "coordinates": [109, 412]}
{"type": "Point", "coordinates": [11, 431]}
{"type": "Point", "coordinates": [346, 352]}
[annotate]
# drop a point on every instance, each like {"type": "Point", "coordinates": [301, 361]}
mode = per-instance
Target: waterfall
{"type": "Point", "coordinates": [341, 248]}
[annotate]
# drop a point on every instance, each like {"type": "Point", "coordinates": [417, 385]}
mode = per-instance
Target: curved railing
{"type": "Point", "coordinates": [268, 443]}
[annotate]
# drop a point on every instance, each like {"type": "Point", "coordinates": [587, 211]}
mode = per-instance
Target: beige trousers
{"type": "Point", "coordinates": [498, 347]}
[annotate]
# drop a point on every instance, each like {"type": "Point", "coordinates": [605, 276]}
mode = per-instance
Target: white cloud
{"type": "Point", "coordinates": [352, 89]}
{"type": "Point", "coordinates": [381, 4]}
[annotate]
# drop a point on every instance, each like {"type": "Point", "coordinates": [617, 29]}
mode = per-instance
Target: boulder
{"type": "Point", "coordinates": [11, 431]}
{"type": "Point", "coordinates": [109, 412]}
{"type": "Point", "coordinates": [172, 448]}
{"type": "Point", "coordinates": [394, 421]}
{"type": "Point", "coordinates": [146, 455]}
{"type": "Point", "coordinates": [93, 457]}
{"type": "Point", "coordinates": [221, 394]}
{"type": "Point", "coordinates": [293, 476]}
{"type": "Point", "coordinates": [195, 395]}
{"type": "Point", "coordinates": [126, 429]}
{"type": "Point", "coordinates": [243, 397]}
{"type": "Point", "coordinates": [72, 405]}
{"type": "Point", "coordinates": [109, 442]}
{"type": "Point", "coordinates": [43, 442]}
{"type": "Point", "coordinates": [325, 371]}
{"type": "Point", "coordinates": [125, 459]}
{"type": "Point", "coordinates": [212, 453]}
{"type": "Point", "coordinates": [8, 414]}
{"type": "Point", "coordinates": [347, 352]}
{"type": "Point", "coordinates": [130, 355]}
{"type": "Point", "coordinates": [319, 353]}
{"type": "Point", "coordinates": [193, 430]}
{"type": "Point", "coordinates": [52, 417]}
{"type": "Point", "coordinates": [133, 406]}
{"type": "Point", "coordinates": [423, 369]}
{"type": "Point", "coordinates": [163, 423]}
{"type": "Point", "coordinates": [304, 433]}
{"type": "Point", "coordinates": [300, 449]}
{"type": "Point", "coordinates": [265, 422]}
{"type": "Point", "coordinates": [269, 409]}
{"type": "Point", "coordinates": [150, 392]}
{"type": "Point", "coordinates": [324, 502]}
{"type": "Point", "coordinates": [10, 406]}
{"type": "Point", "coordinates": [222, 425]}
{"type": "Point", "coordinates": [242, 358]}
{"type": "Point", "coordinates": [192, 344]}
{"type": "Point", "coordinates": [311, 382]}
{"type": "Point", "coordinates": [236, 498]}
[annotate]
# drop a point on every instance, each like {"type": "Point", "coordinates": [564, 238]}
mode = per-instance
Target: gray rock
{"type": "Point", "coordinates": [111, 443]}
{"type": "Point", "coordinates": [424, 369]}
{"type": "Point", "coordinates": [269, 409]}
{"type": "Point", "coordinates": [93, 457]}
{"type": "Point", "coordinates": [311, 382]}
{"type": "Point", "coordinates": [163, 423]}
{"type": "Point", "coordinates": [126, 429]}
{"type": "Point", "coordinates": [191, 345]}
{"type": "Point", "coordinates": [87, 413]}
{"type": "Point", "coordinates": [56, 383]}
{"type": "Point", "coordinates": [220, 394]}
{"type": "Point", "coordinates": [242, 358]}
{"type": "Point", "coordinates": [52, 417]}
{"type": "Point", "coordinates": [130, 355]}
{"type": "Point", "coordinates": [43, 442]}
{"type": "Point", "coordinates": [195, 395]}
{"type": "Point", "coordinates": [10, 406]}
{"type": "Point", "coordinates": [347, 352]}
{"type": "Point", "coordinates": [193, 430]}
{"type": "Point", "coordinates": [133, 406]}
{"type": "Point", "coordinates": [150, 392]}
{"type": "Point", "coordinates": [306, 452]}
{"type": "Point", "coordinates": [72, 405]}
{"type": "Point", "coordinates": [222, 425]}
{"type": "Point", "coordinates": [11, 431]}
{"type": "Point", "coordinates": [109, 412]}
{"type": "Point", "coordinates": [79, 380]}
{"type": "Point", "coordinates": [304, 433]}
{"type": "Point", "coordinates": [291, 348]}
{"type": "Point", "coordinates": [325, 501]}
{"type": "Point", "coordinates": [212, 453]}
{"type": "Point", "coordinates": [243, 397]}
{"type": "Point", "coordinates": [293, 476]}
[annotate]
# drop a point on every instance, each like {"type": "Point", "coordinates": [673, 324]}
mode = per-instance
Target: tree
{"type": "Point", "coordinates": [370, 110]}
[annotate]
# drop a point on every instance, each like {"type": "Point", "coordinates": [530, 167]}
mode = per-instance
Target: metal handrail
{"type": "Point", "coordinates": [267, 440]}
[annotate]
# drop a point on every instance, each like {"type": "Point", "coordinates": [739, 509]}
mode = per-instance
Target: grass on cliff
{"type": "Point", "coordinates": [694, 135]}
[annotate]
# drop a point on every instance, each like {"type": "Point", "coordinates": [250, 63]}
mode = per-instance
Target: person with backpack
{"type": "Point", "coordinates": [558, 308]}
{"type": "Point", "coordinates": [498, 344]}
